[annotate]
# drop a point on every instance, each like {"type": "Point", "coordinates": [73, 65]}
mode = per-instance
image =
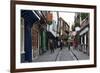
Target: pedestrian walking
{"type": "Point", "coordinates": [61, 44]}
{"type": "Point", "coordinates": [51, 46]}
{"type": "Point", "coordinates": [75, 43]}
{"type": "Point", "coordinates": [68, 45]}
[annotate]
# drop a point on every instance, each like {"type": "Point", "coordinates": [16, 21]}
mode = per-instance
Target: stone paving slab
{"type": "Point", "coordinates": [80, 55]}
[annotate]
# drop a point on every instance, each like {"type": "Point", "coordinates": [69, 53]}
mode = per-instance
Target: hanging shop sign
{"type": "Point", "coordinates": [49, 18]}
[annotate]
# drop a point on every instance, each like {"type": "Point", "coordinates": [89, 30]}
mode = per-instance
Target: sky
{"type": "Point", "coordinates": [68, 17]}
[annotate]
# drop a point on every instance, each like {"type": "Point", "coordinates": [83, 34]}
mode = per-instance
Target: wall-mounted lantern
{"type": "Point", "coordinates": [77, 28]}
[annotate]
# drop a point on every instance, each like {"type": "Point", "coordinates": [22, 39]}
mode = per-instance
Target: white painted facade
{"type": "Point", "coordinates": [53, 27]}
{"type": "Point", "coordinates": [22, 36]}
{"type": "Point", "coordinates": [84, 31]}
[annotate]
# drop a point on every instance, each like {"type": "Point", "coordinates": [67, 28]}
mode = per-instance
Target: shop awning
{"type": "Point", "coordinates": [50, 35]}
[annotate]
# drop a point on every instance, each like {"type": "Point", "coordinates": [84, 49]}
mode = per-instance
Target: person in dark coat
{"type": "Point", "coordinates": [69, 44]}
{"type": "Point", "coordinates": [61, 44]}
{"type": "Point", "coordinates": [51, 46]}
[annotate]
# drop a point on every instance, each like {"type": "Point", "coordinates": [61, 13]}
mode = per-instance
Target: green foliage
{"type": "Point", "coordinates": [77, 37]}
{"type": "Point", "coordinates": [73, 28]}
{"type": "Point", "coordinates": [77, 24]}
{"type": "Point", "coordinates": [84, 15]}
{"type": "Point", "coordinates": [49, 22]}
{"type": "Point", "coordinates": [67, 37]}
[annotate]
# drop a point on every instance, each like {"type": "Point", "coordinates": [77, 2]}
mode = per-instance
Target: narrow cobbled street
{"type": "Point", "coordinates": [54, 36]}
{"type": "Point", "coordinates": [62, 55]}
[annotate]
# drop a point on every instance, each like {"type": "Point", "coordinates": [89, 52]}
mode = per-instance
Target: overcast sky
{"type": "Point", "coordinates": [68, 17]}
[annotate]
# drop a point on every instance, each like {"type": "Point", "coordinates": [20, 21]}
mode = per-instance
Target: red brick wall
{"type": "Point", "coordinates": [35, 35]}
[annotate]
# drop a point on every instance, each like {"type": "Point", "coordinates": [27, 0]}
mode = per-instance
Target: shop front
{"type": "Point", "coordinates": [29, 19]}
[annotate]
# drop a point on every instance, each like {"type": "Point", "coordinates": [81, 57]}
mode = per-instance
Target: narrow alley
{"type": "Point", "coordinates": [54, 36]}
{"type": "Point", "coordinates": [62, 55]}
